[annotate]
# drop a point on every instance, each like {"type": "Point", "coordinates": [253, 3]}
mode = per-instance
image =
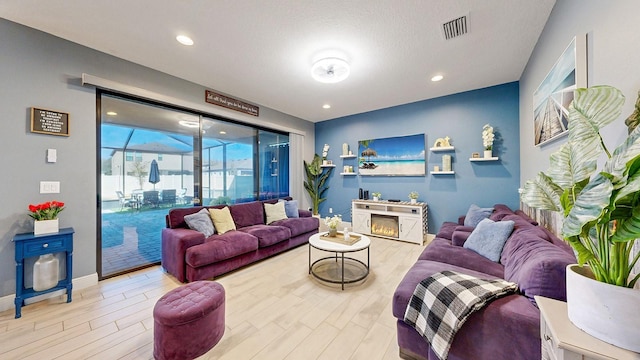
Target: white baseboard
{"type": "Point", "coordinates": [8, 302]}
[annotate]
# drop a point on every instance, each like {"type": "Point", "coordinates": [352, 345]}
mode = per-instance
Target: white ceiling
{"type": "Point", "coordinates": [262, 51]}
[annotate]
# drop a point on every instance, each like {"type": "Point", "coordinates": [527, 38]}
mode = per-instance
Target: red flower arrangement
{"type": "Point", "coordinates": [46, 211]}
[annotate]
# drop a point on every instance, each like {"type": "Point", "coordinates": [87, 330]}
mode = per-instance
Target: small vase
{"type": "Point", "coordinates": [45, 272]}
{"type": "Point", "coordinates": [45, 227]}
{"type": "Point", "coordinates": [345, 149]}
{"type": "Point", "coordinates": [375, 198]}
{"type": "Point", "coordinates": [333, 232]}
{"type": "Point", "coordinates": [488, 154]}
{"type": "Point", "coordinates": [413, 201]}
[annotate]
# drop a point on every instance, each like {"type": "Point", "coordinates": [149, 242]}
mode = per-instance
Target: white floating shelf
{"type": "Point", "coordinates": [328, 166]}
{"type": "Point", "coordinates": [348, 156]}
{"type": "Point", "coordinates": [349, 174]}
{"type": "Point", "coordinates": [443, 172]}
{"type": "Point", "coordinates": [495, 158]}
{"type": "Point", "coordinates": [442, 148]}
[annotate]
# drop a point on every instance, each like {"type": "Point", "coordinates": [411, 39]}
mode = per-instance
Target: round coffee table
{"type": "Point", "coordinates": [356, 270]}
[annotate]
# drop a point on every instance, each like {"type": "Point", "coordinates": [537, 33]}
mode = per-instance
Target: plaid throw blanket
{"type": "Point", "coordinates": [442, 302]}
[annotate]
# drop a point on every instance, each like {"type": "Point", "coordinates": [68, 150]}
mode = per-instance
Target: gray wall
{"type": "Point", "coordinates": [614, 34]}
{"type": "Point", "coordinates": [37, 69]}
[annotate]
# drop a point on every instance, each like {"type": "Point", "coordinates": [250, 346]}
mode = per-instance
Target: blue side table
{"type": "Point", "coordinates": [29, 245]}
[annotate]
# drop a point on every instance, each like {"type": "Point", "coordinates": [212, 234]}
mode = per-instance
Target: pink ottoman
{"type": "Point", "coordinates": [188, 321]}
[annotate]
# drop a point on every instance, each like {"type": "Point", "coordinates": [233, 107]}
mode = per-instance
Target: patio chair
{"type": "Point", "coordinates": [150, 198]}
{"type": "Point", "coordinates": [169, 197]}
{"type": "Point", "coordinates": [124, 202]}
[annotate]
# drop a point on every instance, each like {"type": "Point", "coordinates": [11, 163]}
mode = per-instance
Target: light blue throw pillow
{"type": "Point", "coordinates": [291, 208]}
{"type": "Point", "coordinates": [201, 221]}
{"type": "Point", "coordinates": [475, 214]}
{"type": "Point", "coordinates": [489, 237]}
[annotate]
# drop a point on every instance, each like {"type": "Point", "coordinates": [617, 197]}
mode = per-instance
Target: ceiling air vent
{"type": "Point", "coordinates": [454, 28]}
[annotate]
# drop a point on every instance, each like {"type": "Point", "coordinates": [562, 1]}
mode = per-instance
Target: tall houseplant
{"type": "Point", "coordinates": [601, 208]}
{"type": "Point", "coordinates": [316, 181]}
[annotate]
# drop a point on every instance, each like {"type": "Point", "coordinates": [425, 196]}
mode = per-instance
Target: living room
{"type": "Point", "coordinates": [39, 69]}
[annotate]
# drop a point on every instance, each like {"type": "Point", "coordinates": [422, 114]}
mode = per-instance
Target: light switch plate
{"type": "Point", "coordinates": [49, 187]}
{"type": "Point", "coordinates": [52, 155]}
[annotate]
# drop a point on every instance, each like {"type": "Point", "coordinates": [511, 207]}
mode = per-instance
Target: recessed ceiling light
{"type": "Point", "coordinates": [112, 113]}
{"type": "Point", "coordinates": [437, 78]}
{"type": "Point", "coordinates": [326, 106]}
{"type": "Point", "coordinates": [184, 40]}
{"type": "Point", "coordinates": [330, 70]}
{"type": "Point", "coordinates": [223, 132]}
{"type": "Point", "coordinates": [189, 123]}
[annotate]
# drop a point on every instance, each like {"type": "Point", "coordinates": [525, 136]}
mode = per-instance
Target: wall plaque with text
{"type": "Point", "coordinates": [50, 122]}
{"type": "Point", "coordinates": [230, 103]}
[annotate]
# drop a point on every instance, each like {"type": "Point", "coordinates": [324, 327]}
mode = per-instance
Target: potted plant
{"type": "Point", "coordinates": [332, 223]}
{"type": "Point", "coordinates": [487, 140]}
{"type": "Point", "coordinates": [601, 210]}
{"type": "Point", "coordinates": [46, 217]}
{"type": "Point", "coordinates": [413, 196]}
{"type": "Point", "coordinates": [376, 196]}
{"type": "Point", "coordinates": [316, 181]}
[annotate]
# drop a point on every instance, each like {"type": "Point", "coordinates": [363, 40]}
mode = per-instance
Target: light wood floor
{"type": "Point", "coordinates": [274, 310]}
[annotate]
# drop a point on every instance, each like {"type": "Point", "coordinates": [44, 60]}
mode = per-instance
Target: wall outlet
{"type": "Point", "coordinates": [330, 210]}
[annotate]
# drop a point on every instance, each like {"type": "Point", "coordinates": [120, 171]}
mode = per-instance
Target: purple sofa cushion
{"type": "Point", "coordinates": [247, 214]}
{"type": "Point", "coordinates": [446, 230]}
{"type": "Point", "coordinates": [220, 248]}
{"type": "Point", "coordinates": [459, 237]}
{"type": "Point", "coordinates": [536, 265]}
{"type": "Point", "coordinates": [443, 251]}
{"type": "Point", "coordinates": [523, 215]}
{"type": "Point", "coordinates": [299, 225]}
{"type": "Point", "coordinates": [267, 234]}
{"type": "Point", "coordinates": [500, 211]}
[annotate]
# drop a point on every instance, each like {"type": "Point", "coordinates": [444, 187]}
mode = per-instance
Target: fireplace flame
{"type": "Point", "coordinates": [381, 229]}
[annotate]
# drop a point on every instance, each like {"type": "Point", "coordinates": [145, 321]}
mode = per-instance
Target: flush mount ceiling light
{"type": "Point", "coordinates": [184, 40]}
{"type": "Point", "coordinates": [437, 78]}
{"type": "Point", "coordinates": [326, 106]}
{"type": "Point", "coordinates": [330, 70]}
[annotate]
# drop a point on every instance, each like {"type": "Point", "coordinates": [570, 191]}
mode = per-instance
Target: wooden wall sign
{"type": "Point", "coordinates": [230, 103]}
{"type": "Point", "coordinates": [50, 122]}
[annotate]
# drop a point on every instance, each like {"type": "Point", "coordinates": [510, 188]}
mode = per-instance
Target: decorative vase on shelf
{"type": "Point", "coordinates": [488, 154]}
{"type": "Point", "coordinates": [604, 311]}
{"type": "Point", "coordinates": [333, 232]}
{"type": "Point", "coordinates": [345, 149]}
{"type": "Point", "coordinates": [375, 198]}
{"type": "Point", "coordinates": [45, 272]}
{"type": "Point", "coordinates": [413, 201]}
{"type": "Point", "coordinates": [41, 227]}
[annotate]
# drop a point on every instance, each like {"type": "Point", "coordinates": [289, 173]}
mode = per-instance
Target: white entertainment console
{"type": "Point", "coordinates": [411, 219]}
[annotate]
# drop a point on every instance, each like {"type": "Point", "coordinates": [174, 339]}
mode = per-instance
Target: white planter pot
{"type": "Point", "coordinates": [413, 201]}
{"type": "Point", "coordinates": [41, 227]}
{"type": "Point", "coordinates": [375, 198]}
{"type": "Point", "coordinates": [607, 312]}
{"type": "Point", "coordinates": [488, 154]}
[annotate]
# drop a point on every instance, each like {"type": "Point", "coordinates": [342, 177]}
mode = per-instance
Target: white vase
{"type": "Point", "coordinates": [45, 227]}
{"type": "Point", "coordinates": [375, 198]}
{"type": "Point", "coordinates": [345, 149]}
{"type": "Point", "coordinates": [413, 201]}
{"type": "Point", "coordinates": [607, 312]}
{"type": "Point", "coordinates": [45, 272]}
{"type": "Point", "coordinates": [488, 154]}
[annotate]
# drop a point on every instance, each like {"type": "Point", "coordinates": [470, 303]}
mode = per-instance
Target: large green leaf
{"type": "Point", "coordinates": [597, 106]}
{"type": "Point", "coordinates": [542, 193]}
{"type": "Point", "coordinates": [589, 205]}
{"type": "Point", "coordinates": [623, 158]}
{"type": "Point", "coordinates": [566, 169]}
{"type": "Point", "coordinates": [628, 229]}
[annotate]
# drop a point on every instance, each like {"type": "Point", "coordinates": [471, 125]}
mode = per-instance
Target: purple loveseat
{"type": "Point", "coordinates": [189, 256]}
{"type": "Point", "coordinates": [509, 327]}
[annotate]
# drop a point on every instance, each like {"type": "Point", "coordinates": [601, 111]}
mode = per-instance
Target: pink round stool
{"type": "Point", "coordinates": [188, 321]}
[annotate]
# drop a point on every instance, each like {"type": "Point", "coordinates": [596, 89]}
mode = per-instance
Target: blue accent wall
{"type": "Point", "coordinates": [459, 116]}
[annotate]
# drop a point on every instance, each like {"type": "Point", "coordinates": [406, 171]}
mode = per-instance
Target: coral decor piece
{"type": "Point", "coordinates": [46, 211]}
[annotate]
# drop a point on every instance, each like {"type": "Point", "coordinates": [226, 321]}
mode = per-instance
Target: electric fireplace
{"type": "Point", "coordinates": [385, 225]}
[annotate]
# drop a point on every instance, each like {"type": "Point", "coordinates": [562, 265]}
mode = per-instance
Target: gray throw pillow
{"type": "Point", "coordinates": [489, 237]}
{"type": "Point", "coordinates": [475, 214]}
{"type": "Point", "coordinates": [291, 208]}
{"type": "Point", "coordinates": [201, 221]}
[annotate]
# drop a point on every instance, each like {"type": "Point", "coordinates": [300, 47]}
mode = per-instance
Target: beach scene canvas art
{"type": "Point", "coordinates": [394, 156]}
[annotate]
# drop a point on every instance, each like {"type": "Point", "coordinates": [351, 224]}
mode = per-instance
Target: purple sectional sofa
{"type": "Point", "coordinates": [189, 256]}
{"type": "Point", "coordinates": [509, 327]}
